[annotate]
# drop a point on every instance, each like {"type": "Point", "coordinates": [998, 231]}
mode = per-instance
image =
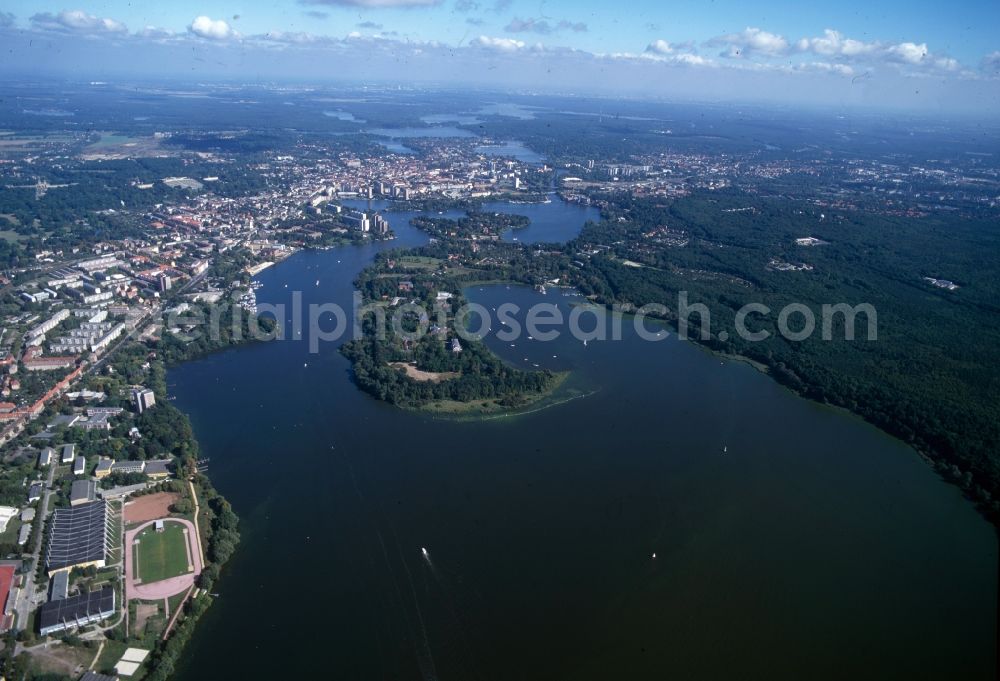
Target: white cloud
{"type": "Point", "coordinates": [498, 44]}
{"type": "Point", "coordinates": [750, 41]}
{"type": "Point", "coordinates": [946, 63]}
{"type": "Point", "coordinates": [762, 48]}
{"type": "Point", "coordinates": [660, 47]}
{"type": "Point", "coordinates": [211, 29]}
{"type": "Point", "coordinates": [77, 21]}
{"type": "Point", "coordinates": [910, 53]}
{"type": "Point", "coordinates": [665, 53]}
{"type": "Point", "coordinates": [833, 43]}
{"type": "Point", "coordinates": [690, 60]}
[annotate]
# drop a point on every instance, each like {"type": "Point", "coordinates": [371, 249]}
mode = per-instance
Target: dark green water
{"type": "Point", "coordinates": [815, 547]}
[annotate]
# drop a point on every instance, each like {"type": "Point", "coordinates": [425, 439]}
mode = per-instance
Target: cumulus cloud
{"type": "Point", "coordinates": [6, 19]}
{"type": "Point", "coordinates": [498, 44]}
{"type": "Point", "coordinates": [211, 29]}
{"type": "Point", "coordinates": [370, 25]}
{"type": "Point", "coordinates": [908, 53]}
{"type": "Point", "coordinates": [660, 47]}
{"type": "Point", "coordinates": [77, 21]}
{"type": "Point", "coordinates": [316, 14]}
{"type": "Point", "coordinates": [664, 52]}
{"type": "Point", "coordinates": [690, 59]}
{"type": "Point", "coordinates": [832, 43]}
{"type": "Point", "coordinates": [375, 4]}
{"type": "Point", "coordinates": [750, 41]}
{"type": "Point", "coordinates": [758, 46]}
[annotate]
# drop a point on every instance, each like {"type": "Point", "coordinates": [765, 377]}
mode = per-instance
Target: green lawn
{"type": "Point", "coordinates": [161, 555]}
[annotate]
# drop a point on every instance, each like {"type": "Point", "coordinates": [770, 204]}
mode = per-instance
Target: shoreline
{"type": "Point", "coordinates": [481, 410]}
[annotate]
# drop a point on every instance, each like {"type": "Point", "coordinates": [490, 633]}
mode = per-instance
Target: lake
{"type": "Point", "coordinates": [514, 150]}
{"type": "Point", "coordinates": [792, 540]}
{"type": "Point", "coordinates": [557, 221]}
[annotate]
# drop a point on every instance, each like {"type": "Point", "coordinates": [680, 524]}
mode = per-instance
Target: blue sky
{"type": "Point", "coordinates": [920, 53]}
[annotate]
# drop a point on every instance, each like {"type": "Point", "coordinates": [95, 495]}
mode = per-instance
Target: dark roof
{"type": "Point", "coordinates": [83, 489]}
{"type": "Point", "coordinates": [77, 535]}
{"type": "Point", "coordinates": [128, 466]}
{"type": "Point", "coordinates": [158, 467]}
{"type": "Point", "coordinates": [76, 607]}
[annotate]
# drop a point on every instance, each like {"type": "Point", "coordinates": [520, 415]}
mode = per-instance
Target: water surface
{"type": "Point", "coordinates": [813, 547]}
{"type": "Point", "coordinates": [515, 150]}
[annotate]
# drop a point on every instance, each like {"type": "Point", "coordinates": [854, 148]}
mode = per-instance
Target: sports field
{"type": "Point", "coordinates": [161, 555]}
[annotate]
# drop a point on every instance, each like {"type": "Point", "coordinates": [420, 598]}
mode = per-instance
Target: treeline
{"type": "Point", "coordinates": [235, 326]}
{"type": "Point", "coordinates": [483, 225]}
{"type": "Point", "coordinates": [480, 373]}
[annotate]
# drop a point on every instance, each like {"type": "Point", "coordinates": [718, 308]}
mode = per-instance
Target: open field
{"type": "Point", "coordinates": [149, 507]}
{"type": "Point", "coordinates": [418, 262]}
{"type": "Point", "coordinates": [161, 555]}
{"type": "Point", "coordinates": [59, 659]}
{"type": "Point", "coordinates": [419, 375]}
{"type": "Point", "coordinates": [530, 402]}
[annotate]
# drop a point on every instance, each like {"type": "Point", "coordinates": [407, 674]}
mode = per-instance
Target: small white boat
{"type": "Point", "coordinates": [423, 551]}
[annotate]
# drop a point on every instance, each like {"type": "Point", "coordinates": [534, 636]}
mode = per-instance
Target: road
{"type": "Point", "coordinates": [27, 600]}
